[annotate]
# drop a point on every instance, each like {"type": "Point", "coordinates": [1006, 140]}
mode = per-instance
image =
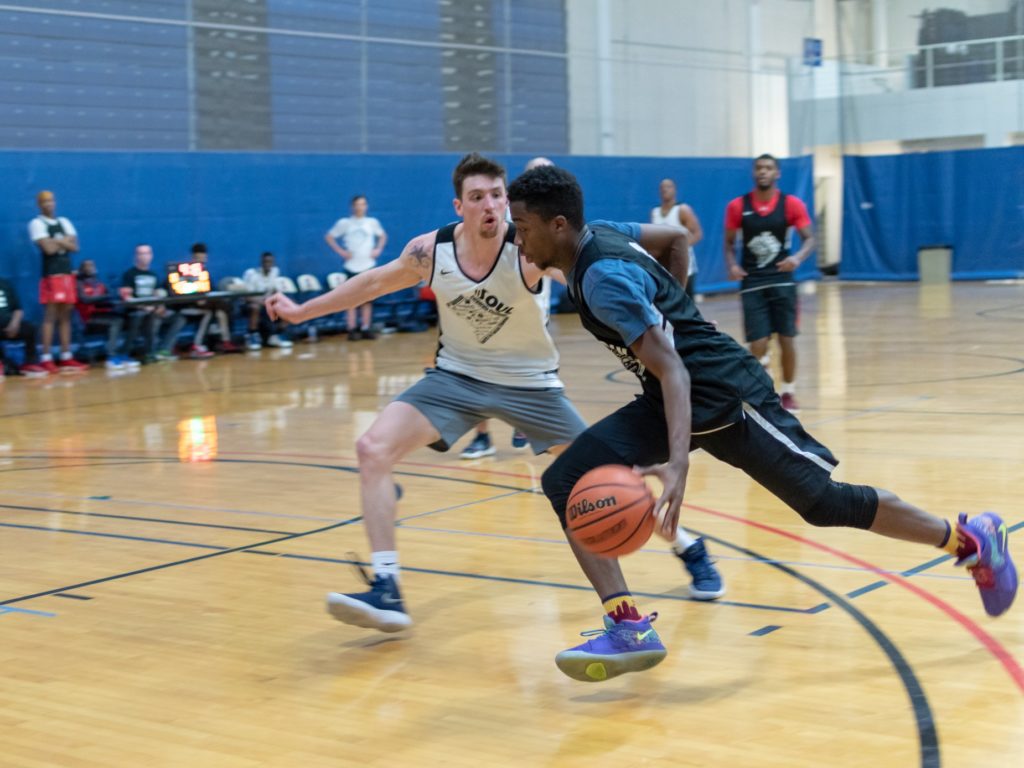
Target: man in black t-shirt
{"type": "Point", "coordinates": [141, 282]}
{"type": "Point", "coordinates": [14, 327]}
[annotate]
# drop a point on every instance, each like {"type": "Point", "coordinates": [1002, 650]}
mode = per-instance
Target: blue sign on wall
{"type": "Point", "coordinates": [812, 51]}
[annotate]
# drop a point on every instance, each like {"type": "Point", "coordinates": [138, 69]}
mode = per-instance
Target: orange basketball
{"type": "Point", "coordinates": [610, 511]}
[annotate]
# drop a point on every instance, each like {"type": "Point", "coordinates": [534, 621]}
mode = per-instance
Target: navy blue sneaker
{"type": "Point", "coordinates": [480, 447]}
{"type": "Point", "coordinates": [706, 581]}
{"type": "Point", "coordinates": [380, 608]}
{"type": "Point", "coordinates": [519, 440]}
{"type": "Point", "coordinates": [629, 646]}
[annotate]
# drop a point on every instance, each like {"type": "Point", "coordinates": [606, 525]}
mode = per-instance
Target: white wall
{"type": "Point", "coordinates": [688, 77]}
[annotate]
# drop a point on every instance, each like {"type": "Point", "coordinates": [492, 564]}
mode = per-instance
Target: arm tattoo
{"type": "Point", "coordinates": [421, 255]}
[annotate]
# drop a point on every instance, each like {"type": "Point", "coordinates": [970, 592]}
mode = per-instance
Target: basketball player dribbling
{"type": "Point", "coordinates": [701, 389]}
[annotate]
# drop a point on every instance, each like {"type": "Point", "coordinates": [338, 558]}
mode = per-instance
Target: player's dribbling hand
{"type": "Point", "coordinates": [280, 307]}
{"type": "Point", "coordinates": [666, 509]}
{"type": "Point", "coordinates": [736, 272]}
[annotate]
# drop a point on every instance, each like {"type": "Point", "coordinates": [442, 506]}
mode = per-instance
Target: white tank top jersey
{"type": "Point", "coordinates": [493, 330]}
{"type": "Point", "coordinates": [671, 219]}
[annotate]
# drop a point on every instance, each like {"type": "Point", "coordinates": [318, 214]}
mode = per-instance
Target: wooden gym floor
{"type": "Point", "coordinates": [167, 538]}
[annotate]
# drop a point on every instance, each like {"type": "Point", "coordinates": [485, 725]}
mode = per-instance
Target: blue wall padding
{"type": "Point", "coordinates": [241, 204]}
{"type": "Point", "coordinates": [971, 201]}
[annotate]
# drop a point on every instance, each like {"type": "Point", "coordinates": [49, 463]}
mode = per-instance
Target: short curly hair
{"type": "Point", "coordinates": [475, 164]}
{"type": "Point", "coordinates": [549, 191]}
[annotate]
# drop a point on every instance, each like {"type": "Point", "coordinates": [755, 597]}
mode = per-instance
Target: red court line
{"type": "Point", "coordinates": [1003, 656]}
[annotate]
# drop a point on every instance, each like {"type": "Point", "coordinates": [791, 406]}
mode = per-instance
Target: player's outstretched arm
{"type": "Point", "coordinates": [413, 266]}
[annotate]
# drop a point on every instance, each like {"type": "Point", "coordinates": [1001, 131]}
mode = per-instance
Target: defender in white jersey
{"type": "Point", "coordinates": [675, 214]}
{"type": "Point", "coordinates": [495, 359]}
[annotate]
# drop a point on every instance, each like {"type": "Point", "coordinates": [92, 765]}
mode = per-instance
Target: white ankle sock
{"type": "Point", "coordinates": [683, 541]}
{"type": "Point", "coordinates": [385, 563]}
{"type": "Point", "coordinates": [788, 388]}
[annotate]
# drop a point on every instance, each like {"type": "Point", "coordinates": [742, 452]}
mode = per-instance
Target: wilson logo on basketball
{"type": "Point", "coordinates": [586, 506]}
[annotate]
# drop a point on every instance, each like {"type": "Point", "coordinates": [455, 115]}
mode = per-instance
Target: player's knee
{"type": "Point", "coordinates": [843, 505]}
{"type": "Point", "coordinates": [557, 486]}
{"type": "Point", "coordinates": [372, 451]}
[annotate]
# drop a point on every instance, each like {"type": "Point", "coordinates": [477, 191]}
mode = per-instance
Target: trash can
{"type": "Point", "coordinates": [934, 263]}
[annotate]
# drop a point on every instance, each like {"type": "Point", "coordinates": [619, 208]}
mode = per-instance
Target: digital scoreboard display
{"type": "Point", "coordinates": [188, 277]}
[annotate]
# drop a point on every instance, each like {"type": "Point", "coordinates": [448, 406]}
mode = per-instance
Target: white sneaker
{"type": "Point", "coordinates": [253, 343]}
{"type": "Point", "coordinates": [276, 341]}
{"type": "Point", "coordinates": [114, 364]}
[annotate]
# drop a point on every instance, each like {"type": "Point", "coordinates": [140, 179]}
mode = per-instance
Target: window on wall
{"type": "Point", "coordinates": [285, 75]}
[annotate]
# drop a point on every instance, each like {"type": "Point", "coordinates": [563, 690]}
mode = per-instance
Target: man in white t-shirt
{"type": "Point", "coordinates": [266, 277]}
{"type": "Point", "coordinates": [362, 241]}
{"type": "Point", "coordinates": [676, 214]}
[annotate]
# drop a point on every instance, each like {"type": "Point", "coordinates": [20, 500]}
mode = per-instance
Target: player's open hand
{"type": "Point", "coordinates": [666, 509]}
{"type": "Point", "coordinates": [280, 307]}
{"type": "Point", "coordinates": [788, 264]}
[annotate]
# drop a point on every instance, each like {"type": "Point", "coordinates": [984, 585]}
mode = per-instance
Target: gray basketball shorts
{"type": "Point", "coordinates": [455, 404]}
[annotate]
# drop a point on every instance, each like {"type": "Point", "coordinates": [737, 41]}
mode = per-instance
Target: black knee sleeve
{"type": "Point", "coordinates": [558, 480]}
{"type": "Point", "coordinates": [843, 505]}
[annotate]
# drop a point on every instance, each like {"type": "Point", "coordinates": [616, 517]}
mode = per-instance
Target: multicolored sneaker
{"type": "Point", "coordinates": [629, 646]}
{"type": "Point", "coordinates": [380, 608]}
{"type": "Point", "coordinates": [480, 446]}
{"type": "Point", "coordinates": [706, 581]}
{"type": "Point", "coordinates": [990, 563]}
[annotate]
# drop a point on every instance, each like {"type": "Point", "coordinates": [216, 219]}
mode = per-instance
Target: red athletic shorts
{"type": "Point", "coordinates": [57, 289]}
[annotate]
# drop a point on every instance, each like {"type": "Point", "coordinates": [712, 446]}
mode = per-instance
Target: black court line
{"type": "Point", "coordinates": [93, 462]}
{"type": "Point", "coordinates": [924, 719]}
{"type": "Point", "coordinates": [138, 518]}
{"type": "Point", "coordinates": [990, 314]}
{"type": "Point", "coordinates": [917, 569]}
{"type": "Point", "coordinates": [162, 566]}
{"type": "Point", "coordinates": [101, 535]}
{"type": "Point", "coordinates": [70, 596]}
{"type": "Point", "coordinates": [534, 582]}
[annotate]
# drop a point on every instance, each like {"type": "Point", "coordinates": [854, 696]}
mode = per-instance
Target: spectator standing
{"type": "Point", "coordinates": [362, 241]}
{"type": "Point", "coordinates": [57, 239]}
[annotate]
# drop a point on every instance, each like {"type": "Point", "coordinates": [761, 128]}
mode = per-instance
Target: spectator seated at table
{"type": "Point", "coordinates": [98, 315]}
{"type": "Point", "coordinates": [263, 330]}
{"type": "Point", "coordinates": [140, 282]}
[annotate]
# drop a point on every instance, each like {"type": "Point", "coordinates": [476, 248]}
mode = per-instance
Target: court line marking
{"type": "Point", "coordinates": [207, 556]}
{"type": "Point", "coordinates": [732, 558]}
{"type": "Point", "coordinates": [535, 582]}
{"type": "Point", "coordinates": [8, 609]}
{"type": "Point", "coordinates": [922, 712]}
{"type": "Point", "coordinates": [102, 535]}
{"type": "Point", "coordinates": [986, 640]}
{"type": "Point", "coordinates": [1002, 655]}
{"type": "Point", "coordinates": [137, 518]}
